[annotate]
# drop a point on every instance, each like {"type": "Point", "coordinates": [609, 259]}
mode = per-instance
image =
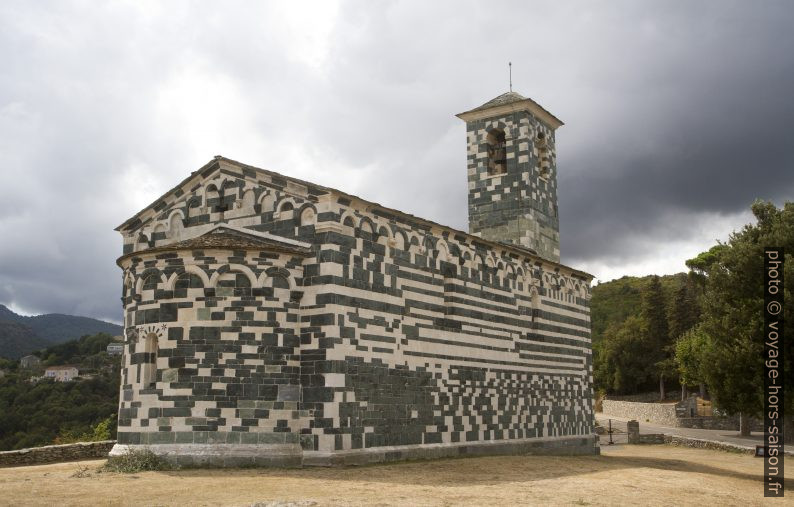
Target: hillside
{"type": "Point", "coordinates": [45, 412]}
{"type": "Point", "coordinates": [20, 335]}
{"type": "Point", "coordinates": [614, 301]}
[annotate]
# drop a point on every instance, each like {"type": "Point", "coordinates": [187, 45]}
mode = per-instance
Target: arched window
{"type": "Point", "coordinates": [497, 157]}
{"type": "Point", "coordinates": [148, 363]}
{"type": "Point", "coordinates": [544, 159]}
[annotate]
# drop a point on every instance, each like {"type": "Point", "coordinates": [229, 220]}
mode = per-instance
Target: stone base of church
{"type": "Point", "coordinates": [221, 455]}
{"type": "Point", "coordinates": [291, 455]}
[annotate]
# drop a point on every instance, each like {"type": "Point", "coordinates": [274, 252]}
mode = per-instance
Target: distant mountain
{"type": "Point", "coordinates": [17, 340]}
{"type": "Point", "coordinates": [20, 335]}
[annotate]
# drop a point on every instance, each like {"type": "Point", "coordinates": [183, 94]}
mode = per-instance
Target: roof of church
{"type": "Point", "coordinates": [225, 236]}
{"type": "Point", "coordinates": [317, 189]}
{"type": "Point", "coordinates": [514, 101]}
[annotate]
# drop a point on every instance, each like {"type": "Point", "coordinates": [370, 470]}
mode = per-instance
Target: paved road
{"type": "Point", "coordinates": [731, 437]}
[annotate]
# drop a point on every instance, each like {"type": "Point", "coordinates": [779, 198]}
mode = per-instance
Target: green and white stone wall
{"type": "Point", "coordinates": [518, 206]}
{"type": "Point", "coordinates": [323, 328]}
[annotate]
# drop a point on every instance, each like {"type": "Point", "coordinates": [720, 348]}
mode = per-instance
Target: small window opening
{"type": "Point", "coordinates": [497, 157]}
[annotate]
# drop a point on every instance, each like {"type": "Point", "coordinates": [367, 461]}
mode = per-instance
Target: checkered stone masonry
{"type": "Point", "coordinates": [273, 321]}
{"type": "Point", "coordinates": [518, 206]}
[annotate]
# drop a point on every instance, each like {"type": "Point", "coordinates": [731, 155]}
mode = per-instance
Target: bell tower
{"type": "Point", "coordinates": [512, 174]}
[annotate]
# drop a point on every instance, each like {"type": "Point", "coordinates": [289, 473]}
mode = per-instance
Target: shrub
{"type": "Point", "coordinates": [137, 461]}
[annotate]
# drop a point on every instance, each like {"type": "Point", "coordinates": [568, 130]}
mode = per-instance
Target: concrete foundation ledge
{"type": "Point", "coordinates": [557, 446]}
{"type": "Point", "coordinates": [291, 455]}
{"type": "Point", "coordinates": [221, 455]}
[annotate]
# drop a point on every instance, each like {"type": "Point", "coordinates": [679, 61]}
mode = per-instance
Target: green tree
{"type": "Point", "coordinates": [691, 350]}
{"type": "Point", "coordinates": [733, 313]}
{"type": "Point", "coordinates": [683, 315]}
{"type": "Point", "coordinates": [684, 311]}
{"type": "Point", "coordinates": [622, 358]}
{"type": "Point", "coordinates": [654, 313]}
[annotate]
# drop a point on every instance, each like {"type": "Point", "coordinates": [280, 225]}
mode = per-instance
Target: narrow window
{"type": "Point", "coordinates": [148, 363]}
{"type": "Point", "coordinates": [497, 158]}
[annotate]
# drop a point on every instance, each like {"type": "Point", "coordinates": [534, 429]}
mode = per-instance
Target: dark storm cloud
{"type": "Point", "coordinates": [709, 133]}
{"type": "Point", "coordinates": [675, 112]}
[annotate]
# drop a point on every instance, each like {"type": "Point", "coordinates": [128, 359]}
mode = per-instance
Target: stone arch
{"type": "Point", "coordinates": [384, 235]}
{"type": "Point", "coordinates": [286, 206]}
{"type": "Point", "coordinates": [249, 199]}
{"type": "Point", "coordinates": [308, 215]}
{"type": "Point", "coordinates": [188, 269]}
{"type": "Point", "coordinates": [347, 219]}
{"type": "Point", "coordinates": [211, 191]}
{"type": "Point", "coordinates": [194, 206]}
{"type": "Point", "coordinates": [266, 278]}
{"type": "Point", "coordinates": [401, 240]}
{"type": "Point", "coordinates": [176, 224]}
{"type": "Point", "coordinates": [145, 277]}
{"type": "Point", "coordinates": [521, 281]}
{"type": "Point", "coordinates": [366, 225]}
{"type": "Point", "coordinates": [267, 201]}
{"type": "Point", "coordinates": [231, 268]}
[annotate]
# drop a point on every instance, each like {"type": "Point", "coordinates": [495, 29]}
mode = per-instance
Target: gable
{"type": "Point", "coordinates": [221, 191]}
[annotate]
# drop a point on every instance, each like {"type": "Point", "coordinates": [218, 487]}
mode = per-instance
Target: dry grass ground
{"type": "Point", "coordinates": [622, 475]}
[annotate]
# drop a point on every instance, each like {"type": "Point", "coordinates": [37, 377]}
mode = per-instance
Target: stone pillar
{"type": "Point", "coordinates": [633, 430]}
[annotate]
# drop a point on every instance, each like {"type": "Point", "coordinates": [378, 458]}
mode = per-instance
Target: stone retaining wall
{"type": "Point", "coordinates": [657, 413]}
{"type": "Point", "coordinates": [718, 423]}
{"type": "Point", "coordinates": [56, 453]}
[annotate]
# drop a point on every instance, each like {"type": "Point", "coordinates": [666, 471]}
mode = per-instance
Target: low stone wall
{"type": "Point", "coordinates": [718, 423]}
{"type": "Point", "coordinates": [699, 443]}
{"type": "Point", "coordinates": [56, 453]}
{"type": "Point", "coordinates": [658, 413]}
{"type": "Point", "coordinates": [650, 397]}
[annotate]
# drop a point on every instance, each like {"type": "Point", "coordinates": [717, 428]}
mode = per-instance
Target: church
{"type": "Point", "coordinates": [273, 321]}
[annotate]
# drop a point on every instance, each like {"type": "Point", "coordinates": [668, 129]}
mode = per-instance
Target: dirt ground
{"type": "Point", "coordinates": [622, 475]}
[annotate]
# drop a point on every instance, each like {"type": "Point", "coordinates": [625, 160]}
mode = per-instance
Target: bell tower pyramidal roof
{"type": "Point", "coordinates": [512, 173]}
{"type": "Point", "coordinates": [511, 102]}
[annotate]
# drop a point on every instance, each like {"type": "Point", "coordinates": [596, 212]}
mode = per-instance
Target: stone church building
{"type": "Point", "coordinates": [273, 321]}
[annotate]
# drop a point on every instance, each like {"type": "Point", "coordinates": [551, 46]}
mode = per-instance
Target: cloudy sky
{"type": "Point", "coordinates": [677, 116]}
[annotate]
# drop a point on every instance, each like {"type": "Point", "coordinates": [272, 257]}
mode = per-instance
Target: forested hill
{"type": "Point", "coordinates": [20, 335]}
{"type": "Point", "coordinates": [40, 411]}
{"type": "Point", "coordinates": [614, 301]}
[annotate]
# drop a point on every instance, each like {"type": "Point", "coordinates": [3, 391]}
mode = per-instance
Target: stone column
{"type": "Point", "coordinates": [633, 430]}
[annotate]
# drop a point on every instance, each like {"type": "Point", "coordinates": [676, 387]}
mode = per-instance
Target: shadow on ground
{"type": "Point", "coordinates": [486, 471]}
